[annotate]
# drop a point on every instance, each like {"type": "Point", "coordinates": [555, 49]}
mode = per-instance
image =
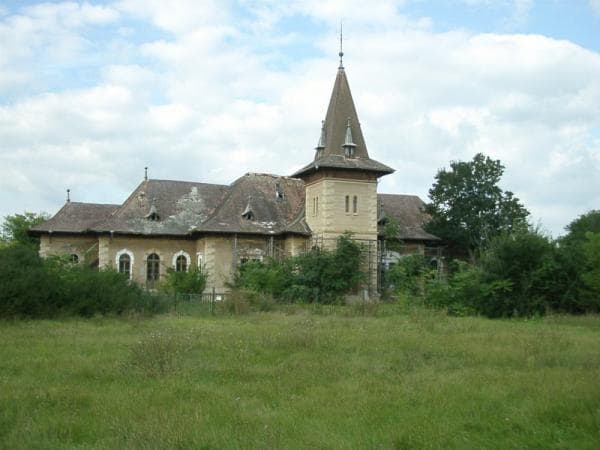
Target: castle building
{"type": "Point", "coordinates": [180, 225]}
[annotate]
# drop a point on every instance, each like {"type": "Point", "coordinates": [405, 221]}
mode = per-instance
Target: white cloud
{"type": "Point", "coordinates": [210, 104]}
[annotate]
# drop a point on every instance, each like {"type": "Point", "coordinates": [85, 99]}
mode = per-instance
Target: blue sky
{"type": "Point", "coordinates": [91, 92]}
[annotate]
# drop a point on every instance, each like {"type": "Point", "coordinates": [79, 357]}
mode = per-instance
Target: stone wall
{"type": "Point", "coordinates": [85, 247]}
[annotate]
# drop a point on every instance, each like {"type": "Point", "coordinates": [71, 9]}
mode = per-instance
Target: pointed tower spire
{"type": "Point", "coordinates": [341, 134]}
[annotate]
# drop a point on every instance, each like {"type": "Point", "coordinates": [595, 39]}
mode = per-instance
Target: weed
{"type": "Point", "coordinates": [159, 353]}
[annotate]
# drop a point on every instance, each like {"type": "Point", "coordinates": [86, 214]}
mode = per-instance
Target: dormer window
{"type": "Point", "coordinates": [153, 214]}
{"type": "Point", "coordinates": [248, 214]}
{"type": "Point", "coordinates": [349, 145]}
{"type": "Point", "coordinates": [321, 144]}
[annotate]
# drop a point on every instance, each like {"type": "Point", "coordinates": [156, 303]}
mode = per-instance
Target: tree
{"type": "Point", "coordinates": [590, 294]}
{"type": "Point", "coordinates": [579, 259]}
{"type": "Point", "coordinates": [468, 208]}
{"type": "Point", "coordinates": [578, 228]}
{"type": "Point", "coordinates": [14, 228]}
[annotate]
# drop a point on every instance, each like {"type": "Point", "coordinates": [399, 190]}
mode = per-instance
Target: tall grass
{"type": "Point", "coordinates": [301, 379]}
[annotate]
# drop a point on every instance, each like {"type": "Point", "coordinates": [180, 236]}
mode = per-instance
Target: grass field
{"type": "Point", "coordinates": [299, 379]}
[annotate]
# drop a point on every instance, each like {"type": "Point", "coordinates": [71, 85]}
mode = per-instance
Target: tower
{"type": "Point", "coordinates": [341, 181]}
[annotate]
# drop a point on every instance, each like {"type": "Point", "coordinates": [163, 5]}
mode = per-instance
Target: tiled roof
{"type": "Point", "coordinates": [341, 162]}
{"type": "Point", "coordinates": [263, 204]}
{"type": "Point", "coordinates": [408, 211]}
{"type": "Point", "coordinates": [178, 207]}
{"type": "Point", "coordinates": [76, 217]}
{"type": "Point", "coordinates": [181, 208]}
{"type": "Point", "coordinates": [341, 113]}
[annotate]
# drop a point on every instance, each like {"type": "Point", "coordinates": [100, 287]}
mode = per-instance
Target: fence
{"type": "Point", "coordinates": [208, 299]}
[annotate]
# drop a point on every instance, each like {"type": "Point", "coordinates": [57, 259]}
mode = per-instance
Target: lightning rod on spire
{"type": "Point", "coordinates": [341, 46]}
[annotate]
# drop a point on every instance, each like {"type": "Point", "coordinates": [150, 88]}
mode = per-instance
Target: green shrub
{"type": "Point", "coordinates": [27, 287]}
{"type": "Point", "coordinates": [406, 276]}
{"type": "Point", "coordinates": [318, 276]}
{"type": "Point", "coordinates": [590, 291]}
{"type": "Point", "coordinates": [192, 281]}
{"type": "Point", "coordinates": [33, 287]}
{"type": "Point", "coordinates": [272, 277]}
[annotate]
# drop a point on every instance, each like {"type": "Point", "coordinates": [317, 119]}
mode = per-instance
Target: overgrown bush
{"type": "Point", "coordinates": [590, 291]}
{"type": "Point", "coordinates": [407, 275]}
{"type": "Point", "coordinates": [192, 281]}
{"type": "Point", "coordinates": [33, 287]}
{"type": "Point", "coordinates": [27, 287]}
{"type": "Point", "coordinates": [524, 274]}
{"type": "Point", "coordinates": [319, 276]}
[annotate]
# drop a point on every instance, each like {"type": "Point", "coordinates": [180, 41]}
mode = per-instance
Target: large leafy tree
{"type": "Point", "coordinates": [578, 228]}
{"type": "Point", "coordinates": [467, 206]}
{"type": "Point", "coordinates": [14, 228]}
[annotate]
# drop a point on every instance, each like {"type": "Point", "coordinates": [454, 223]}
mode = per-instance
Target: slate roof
{"type": "Point", "coordinates": [408, 211]}
{"type": "Point", "coordinates": [262, 204]}
{"type": "Point", "coordinates": [340, 113]}
{"type": "Point", "coordinates": [179, 207]}
{"type": "Point", "coordinates": [182, 208]}
{"type": "Point", "coordinates": [76, 217]}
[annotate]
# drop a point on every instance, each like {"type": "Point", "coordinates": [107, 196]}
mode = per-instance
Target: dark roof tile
{"type": "Point", "coordinates": [408, 211]}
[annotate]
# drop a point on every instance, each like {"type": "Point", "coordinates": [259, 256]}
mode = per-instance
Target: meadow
{"type": "Point", "coordinates": [301, 378]}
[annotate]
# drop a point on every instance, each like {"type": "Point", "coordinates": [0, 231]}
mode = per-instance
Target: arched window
{"type": "Point", "coordinates": [182, 261]}
{"type": "Point", "coordinates": [125, 264]}
{"type": "Point", "coordinates": [347, 203]}
{"type": "Point", "coordinates": [152, 269]}
{"type": "Point", "coordinates": [355, 204]}
{"type": "Point", "coordinates": [74, 258]}
{"type": "Point", "coordinates": [181, 264]}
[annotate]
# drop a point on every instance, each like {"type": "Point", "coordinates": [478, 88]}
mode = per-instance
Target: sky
{"type": "Point", "coordinates": [208, 90]}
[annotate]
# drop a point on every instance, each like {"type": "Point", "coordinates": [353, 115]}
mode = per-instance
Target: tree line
{"type": "Point", "coordinates": [497, 263]}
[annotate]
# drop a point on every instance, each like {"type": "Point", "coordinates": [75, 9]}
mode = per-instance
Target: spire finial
{"type": "Point", "coordinates": [145, 173]}
{"type": "Point", "coordinates": [341, 53]}
{"type": "Point", "coordinates": [68, 195]}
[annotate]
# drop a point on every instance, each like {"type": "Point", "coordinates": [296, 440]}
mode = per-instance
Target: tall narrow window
{"type": "Point", "coordinates": [355, 204]}
{"type": "Point", "coordinates": [317, 209]}
{"type": "Point", "coordinates": [181, 264]}
{"type": "Point", "coordinates": [152, 269]}
{"type": "Point", "coordinates": [125, 264]}
{"type": "Point", "coordinates": [347, 203]}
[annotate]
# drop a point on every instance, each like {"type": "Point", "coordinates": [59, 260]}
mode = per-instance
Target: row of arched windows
{"type": "Point", "coordinates": [125, 259]}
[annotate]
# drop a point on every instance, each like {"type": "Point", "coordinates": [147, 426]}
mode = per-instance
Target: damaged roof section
{"type": "Point", "coordinates": [408, 211]}
{"type": "Point", "coordinates": [255, 203]}
{"type": "Point", "coordinates": [261, 204]}
{"type": "Point", "coordinates": [165, 207]}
